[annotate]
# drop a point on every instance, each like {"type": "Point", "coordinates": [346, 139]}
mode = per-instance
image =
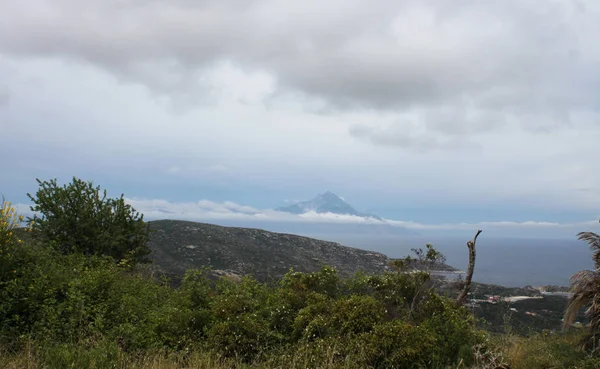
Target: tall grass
{"type": "Point", "coordinates": [547, 350]}
{"type": "Point", "coordinates": [558, 350]}
{"type": "Point", "coordinates": [107, 355]}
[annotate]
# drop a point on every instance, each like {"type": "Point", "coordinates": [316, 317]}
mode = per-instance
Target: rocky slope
{"type": "Point", "coordinates": [181, 245]}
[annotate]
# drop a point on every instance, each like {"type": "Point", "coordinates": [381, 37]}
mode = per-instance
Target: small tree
{"type": "Point", "coordinates": [413, 274]}
{"type": "Point", "coordinates": [79, 217]}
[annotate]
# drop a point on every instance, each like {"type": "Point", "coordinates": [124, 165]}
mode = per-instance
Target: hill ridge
{"type": "Point", "coordinates": [178, 245]}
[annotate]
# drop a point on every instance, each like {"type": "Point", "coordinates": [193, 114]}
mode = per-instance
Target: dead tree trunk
{"type": "Point", "coordinates": [463, 294]}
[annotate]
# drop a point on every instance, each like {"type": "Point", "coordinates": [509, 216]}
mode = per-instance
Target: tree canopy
{"type": "Point", "coordinates": [79, 217]}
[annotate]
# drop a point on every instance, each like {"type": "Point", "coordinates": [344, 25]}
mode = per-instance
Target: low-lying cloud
{"type": "Point", "coordinates": [205, 210]}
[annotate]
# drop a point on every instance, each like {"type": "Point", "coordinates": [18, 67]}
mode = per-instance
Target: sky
{"type": "Point", "coordinates": [432, 114]}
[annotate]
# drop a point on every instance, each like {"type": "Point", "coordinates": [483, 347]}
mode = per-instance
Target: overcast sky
{"type": "Point", "coordinates": [424, 111]}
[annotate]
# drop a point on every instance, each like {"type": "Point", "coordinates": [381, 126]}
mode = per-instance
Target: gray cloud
{"type": "Point", "coordinates": [4, 98]}
{"type": "Point", "coordinates": [400, 135]}
{"type": "Point", "coordinates": [4, 83]}
{"type": "Point", "coordinates": [503, 60]}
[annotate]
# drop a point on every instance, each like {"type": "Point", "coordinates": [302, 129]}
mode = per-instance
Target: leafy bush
{"type": "Point", "coordinates": [241, 312]}
{"type": "Point", "coordinates": [452, 325]}
{"type": "Point", "coordinates": [397, 344]}
{"type": "Point", "coordinates": [343, 317]}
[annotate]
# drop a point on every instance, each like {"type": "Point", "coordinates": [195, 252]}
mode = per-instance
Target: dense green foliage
{"type": "Point", "coordinates": [56, 298]}
{"type": "Point", "coordinates": [87, 311]}
{"type": "Point", "coordinates": [79, 218]}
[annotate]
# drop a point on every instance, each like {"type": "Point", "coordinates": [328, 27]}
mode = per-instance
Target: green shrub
{"type": "Point", "coordinates": [323, 317]}
{"type": "Point", "coordinates": [356, 314]}
{"type": "Point", "coordinates": [453, 327]}
{"type": "Point", "coordinates": [314, 320]}
{"type": "Point", "coordinates": [241, 337]}
{"type": "Point", "coordinates": [241, 328]}
{"type": "Point", "coordinates": [182, 320]}
{"type": "Point", "coordinates": [396, 344]}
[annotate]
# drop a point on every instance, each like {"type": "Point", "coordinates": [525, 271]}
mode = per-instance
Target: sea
{"type": "Point", "coordinates": [510, 262]}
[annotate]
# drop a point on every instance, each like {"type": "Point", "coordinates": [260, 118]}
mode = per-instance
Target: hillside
{"type": "Point", "coordinates": [180, 245]}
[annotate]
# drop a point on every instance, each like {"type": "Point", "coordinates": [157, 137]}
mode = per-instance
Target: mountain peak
{"type": "Point", "coordinates": [327, 202]}
{"type": "Point", "coordinates": [331, 196]}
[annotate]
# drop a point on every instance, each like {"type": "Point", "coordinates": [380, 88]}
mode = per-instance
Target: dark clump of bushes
{"type": "Point", "coordinates": [54, 299]}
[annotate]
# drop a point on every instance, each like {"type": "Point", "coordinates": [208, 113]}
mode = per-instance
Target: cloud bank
{"type": "Point", "coordinates": [205, 210]}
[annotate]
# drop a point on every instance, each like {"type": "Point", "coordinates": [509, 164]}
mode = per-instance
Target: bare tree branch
{"type": "Point", "coordinates": [471, 245]}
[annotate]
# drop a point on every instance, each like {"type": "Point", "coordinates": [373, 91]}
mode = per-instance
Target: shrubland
{"type": "Point", "coordinates": [64, 304]}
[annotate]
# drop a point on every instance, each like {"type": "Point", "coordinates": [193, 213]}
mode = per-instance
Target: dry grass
{"type": "Point", "coordinates": [32, 357]}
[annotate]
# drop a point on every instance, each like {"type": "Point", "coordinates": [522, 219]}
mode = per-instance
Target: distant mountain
{"type": "Point", "coordinates": [326, 203]}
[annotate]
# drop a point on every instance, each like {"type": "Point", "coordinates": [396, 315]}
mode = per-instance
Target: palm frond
{"type": "Point", "coordinates": [585, 287]}
{"type": "Point", "coordinates": [593, 240]}
{"type": "Point", "coordinates": [572, 311]}
{"type": "Point", "coordinates": [585, 279]}
{"type": "Point", "coordinates": [593, 313]}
